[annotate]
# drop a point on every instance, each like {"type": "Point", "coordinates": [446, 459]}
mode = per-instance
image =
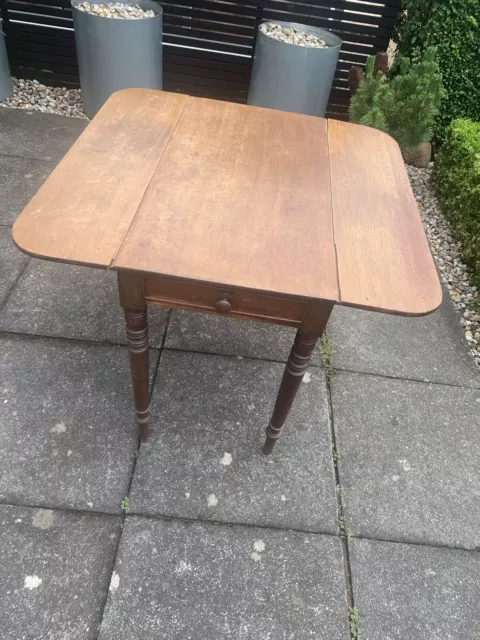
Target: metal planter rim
{"type": "Point", "coordinates": [143, 4]}
{"type": "Point", "coordinates": [335, 41]}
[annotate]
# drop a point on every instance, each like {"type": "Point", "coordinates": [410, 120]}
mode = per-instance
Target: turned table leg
{"type": "Point", "coordinates": [137, 340]}
{"type": "Point", "coordinates": [297, 364]}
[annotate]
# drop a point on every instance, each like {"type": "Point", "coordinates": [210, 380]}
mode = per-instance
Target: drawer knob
{"type": "Point", "coordinates": [223, 305]}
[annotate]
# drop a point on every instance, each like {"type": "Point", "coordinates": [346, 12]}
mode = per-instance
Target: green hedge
{"type": "Point", "coordinates": [456, 175]}
{"type": "Point", "coordinates": [452, 26]}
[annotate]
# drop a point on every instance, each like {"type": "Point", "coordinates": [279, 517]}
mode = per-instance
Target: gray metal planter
{"type": "Point", "coordinates": [293, 78]}
{"type": "Point", "coordinates": [6, 86]}
{"type": "Point", "coordinates": [116, 54]}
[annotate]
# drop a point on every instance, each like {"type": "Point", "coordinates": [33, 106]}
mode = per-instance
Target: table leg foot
{"type": "Point", "coordinates": [137, 340]}
{"type": "Point", "coordinates": [269, 442]}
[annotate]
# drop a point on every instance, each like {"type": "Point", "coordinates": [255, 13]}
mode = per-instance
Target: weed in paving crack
{"type": "Point", "coordinates": [353, 622]}
{"type": "Point", "coordinates": [342, 525]}
{"type": "Point", "coordinates": [325, 350]}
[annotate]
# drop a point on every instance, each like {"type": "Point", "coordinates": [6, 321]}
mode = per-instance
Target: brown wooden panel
{"type": "Point", "coordinates": [203, 61]}
{"type": "Point", "coordinates": [177, 294]}
{"type": "Point", "coordinates": [82, 212]}
{"type": "Point", "coordinates": [37, 60]}
{"type": "Point", "coordinates": [69, 81]}
{"type": "Point", "coordinates": [36, 30]}
{"type": "Point", "coordinates": [183, 76]}
{"type": "Point", "coordinates": [216, 93]}
{"type": "Point", "coordinates": [384, 262]}
{"type": "Point", "coordinates": [370, 14]}
{"type": "Point", "coordinates": [241, 197]}
{"type": "Point", "coordinates": [17, 46]}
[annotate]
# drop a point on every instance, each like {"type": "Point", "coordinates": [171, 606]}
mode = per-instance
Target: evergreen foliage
{"type": "Point", "coordinates": [453, 27]}
{"type": "Point", "coordinates": [456, 175]}
{"type": "Point", "coordinates": [405, 104]}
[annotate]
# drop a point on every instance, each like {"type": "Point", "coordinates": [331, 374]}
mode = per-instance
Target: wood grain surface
{"type": "Point", "coordinates": [84, 209]}
{"type": "Point", "coordinates": [384, 261]}
{"type": "Point", "coordinates": [240, 197]}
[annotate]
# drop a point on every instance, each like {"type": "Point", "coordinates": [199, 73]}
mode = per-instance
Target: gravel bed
{"type": "Point", "coordinates": [454, 274]}
{"type": "Point", "coordinates": [30, 94]}
{"type": "Point", "coordinates": [117, 10]}
{"type": "Point", "coordinates": [290, 35]}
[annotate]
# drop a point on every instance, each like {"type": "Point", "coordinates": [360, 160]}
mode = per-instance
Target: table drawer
{"type": "Point", "coordinates": [222, 301]}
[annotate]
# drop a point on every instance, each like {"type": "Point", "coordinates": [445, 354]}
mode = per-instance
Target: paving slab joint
{"type": "Point", "coordinates": [386, 376]}
{"type": "Point", "coordinates": [353, 622]}
{"type": "Point", "coordinates": [325, 352]}
{"type": "Point", "coordinates": [10, 291]}
{"type": "Point", "coordinates": [341, 520]}
{"type": "Point", "coordinates": [126, 499]}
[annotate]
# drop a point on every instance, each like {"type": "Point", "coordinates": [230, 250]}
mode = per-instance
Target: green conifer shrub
{"type": "Point", "coordinates": [404, 104]}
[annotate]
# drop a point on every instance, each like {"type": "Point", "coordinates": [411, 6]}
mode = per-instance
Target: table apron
{"type": "Point", "coordinates": [167, 292]}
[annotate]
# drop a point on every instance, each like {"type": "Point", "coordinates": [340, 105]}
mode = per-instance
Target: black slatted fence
{"type": "Point", "coordinates": [208, 44]}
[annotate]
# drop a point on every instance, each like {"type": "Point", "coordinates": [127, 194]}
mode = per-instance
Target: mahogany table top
{"type": "Point", "coordinates": [227, 194]}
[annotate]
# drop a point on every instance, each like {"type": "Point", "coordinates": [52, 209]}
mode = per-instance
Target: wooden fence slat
{"type": "Point", "coordinates": [208, 44]}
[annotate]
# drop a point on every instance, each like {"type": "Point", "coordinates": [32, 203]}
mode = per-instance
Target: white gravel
{"type": "Point", "coordinates": [465, 296]}
{"type": "Point", "coordinates": [290, 35]}
{"type": "Point", "coordinates": [117, 10]}
{"type": "Point", "coordinates": [31, 95]}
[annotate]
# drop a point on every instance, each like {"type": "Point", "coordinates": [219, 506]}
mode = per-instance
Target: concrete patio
{"type": "Point", "coordinates": [369, 501]}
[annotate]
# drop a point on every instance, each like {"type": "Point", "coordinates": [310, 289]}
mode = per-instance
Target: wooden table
{"type": "Point", "coordinates": [237, 211]}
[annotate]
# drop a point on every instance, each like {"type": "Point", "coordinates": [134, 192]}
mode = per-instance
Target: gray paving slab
{"type": "Point", "coordinates": [67, 429]}
{"type": "Point", "coordinates": [60, 300]}
{"type": "Point", "coordinates": [12, 261]}
{"type": "Point", "coordinates": [20, 179]}
{"type": "Point", "coordinates": [190, 580]}
{"type": "Point", "coordinates": [38, 135]}
{"type": "Point", "coordinates": [410, 592]}
{"type": "Point", "coordinates": [228, 336]}
{"type": "Point", "coordinates": [204, 457]}
{"type": "Point", "coordinates": [431, 348]}
{"type": "Point", "coordinates": [409, 459]}
{"type": "Point", "coordinates": [54, 572]}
